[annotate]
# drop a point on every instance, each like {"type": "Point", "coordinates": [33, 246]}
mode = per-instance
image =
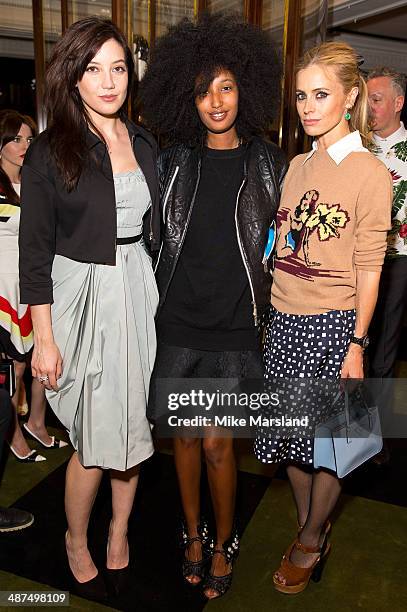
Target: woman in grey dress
{"type": "Point", "coordinates": [88, 187]}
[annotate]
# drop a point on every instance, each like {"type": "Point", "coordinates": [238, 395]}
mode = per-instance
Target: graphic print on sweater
{"type": "Point", "coordinates": [309, 220]}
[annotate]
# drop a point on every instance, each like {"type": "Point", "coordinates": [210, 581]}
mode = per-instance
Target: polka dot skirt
{"type": "Point", "coordinates": [299, 347]}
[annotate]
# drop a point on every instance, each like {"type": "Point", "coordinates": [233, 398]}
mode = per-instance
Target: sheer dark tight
{"type": "Point", "coordinates": [301, 485]}
{"type": "Point", "coordinates": [316, 493]}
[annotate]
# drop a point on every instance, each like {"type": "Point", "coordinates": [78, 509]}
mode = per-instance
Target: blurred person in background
{"type": "Point", "coordinates": [386, 98]}
{"type": "Point", "coordinates": [16, 336]}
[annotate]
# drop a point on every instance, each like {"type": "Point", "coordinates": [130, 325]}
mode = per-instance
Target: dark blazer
{"type": "Point", "coordinates": [80, 224]}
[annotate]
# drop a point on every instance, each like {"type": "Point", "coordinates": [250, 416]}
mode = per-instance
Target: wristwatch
{"type": "Point", "coordinates": [363, 341]}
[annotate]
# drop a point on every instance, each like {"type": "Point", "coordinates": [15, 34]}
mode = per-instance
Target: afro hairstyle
{"type": "Point", "coordinates": [191, 53]}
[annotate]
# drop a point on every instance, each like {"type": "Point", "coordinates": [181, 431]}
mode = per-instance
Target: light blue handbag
{"type": "Point", "coordinates": [349, 438]}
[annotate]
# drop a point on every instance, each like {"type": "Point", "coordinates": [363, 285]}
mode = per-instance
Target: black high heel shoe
{"type": "Point", "coordinates": [94, 589]}
{"type": "Point", "coordinates": [117, 580]}
{"type": "Point", "coordinates": [196, 568]}
{"type": "Point", "coordinates": [230, 551]}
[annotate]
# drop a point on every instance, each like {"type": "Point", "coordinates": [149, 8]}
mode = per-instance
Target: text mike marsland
{"type": "Point", "coordinates": [233, 421]}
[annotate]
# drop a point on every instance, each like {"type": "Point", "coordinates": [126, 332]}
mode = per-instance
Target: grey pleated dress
{"type": "Point", "coordinates": [103, 324]}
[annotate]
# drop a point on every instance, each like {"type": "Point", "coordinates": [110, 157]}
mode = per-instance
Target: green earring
{"type": "Point", "coordinates": [348, 116]}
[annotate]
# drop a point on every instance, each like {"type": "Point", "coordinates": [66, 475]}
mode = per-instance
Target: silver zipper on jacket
{"type": "Point", "coordinates": [188, 219]}
{"type": "Point", "coordinates": [242, 254]}
{"type": "Point", "coordinates": [167, 195]}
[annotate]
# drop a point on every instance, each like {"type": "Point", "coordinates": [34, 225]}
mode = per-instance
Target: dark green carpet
{"type": "Point", "coordinates": [20, 477]}
{"type": "Point", "coordinates": [156, 584]}
{"type": "Point", "coordinates": [11, 582]}
{"type": "Point", "coordinates": [365, 569]}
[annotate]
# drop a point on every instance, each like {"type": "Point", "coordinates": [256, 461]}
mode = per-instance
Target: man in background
{"type": "Point", "coordinates": [386, 97]}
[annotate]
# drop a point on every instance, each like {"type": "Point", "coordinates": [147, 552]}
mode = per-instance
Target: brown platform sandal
{"type": "Point", "coordinates": [297, 578]}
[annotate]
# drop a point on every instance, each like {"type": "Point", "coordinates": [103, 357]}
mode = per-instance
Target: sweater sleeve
{"type": "Point", "coordinates": [373, 219]}
{"type": "Point", "coordinates": [37, 236]}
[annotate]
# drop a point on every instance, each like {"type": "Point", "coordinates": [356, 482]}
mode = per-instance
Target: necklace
{"type": "Point", "coordinates": [235, 146]}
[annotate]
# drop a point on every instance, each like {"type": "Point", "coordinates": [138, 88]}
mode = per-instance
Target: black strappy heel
{"type": "Point", "coordinates": [196, 568]}
{"type": "Point", "coordinates": [221, 584]}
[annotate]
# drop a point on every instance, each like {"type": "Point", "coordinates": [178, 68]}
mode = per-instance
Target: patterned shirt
{"type": "Point", "coordinates": [392, 151]}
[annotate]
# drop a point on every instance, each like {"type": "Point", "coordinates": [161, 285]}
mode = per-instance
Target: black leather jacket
{"type": "Point", "coordinates": [179, 172]}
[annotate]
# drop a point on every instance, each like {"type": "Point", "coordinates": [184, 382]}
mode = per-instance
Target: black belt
{"type": "Point", "coordinates": [129, 240]}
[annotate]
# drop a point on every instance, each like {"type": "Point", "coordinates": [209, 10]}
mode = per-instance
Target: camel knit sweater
{"type": "Point", "coordinates": [332, 221]}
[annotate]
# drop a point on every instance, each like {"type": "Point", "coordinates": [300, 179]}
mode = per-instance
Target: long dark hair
{"type": "Point", "coordinates": [10, 124]}
{"type": "Point", "coordinates": [67, 116]}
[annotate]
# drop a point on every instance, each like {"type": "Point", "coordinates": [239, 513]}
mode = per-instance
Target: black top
{"type": "Point", "coordinates": [208, 305]}
{"type": "Point", "coordinates": [80, 224]}
{"type": "Point", "coordinates": [179, 170]}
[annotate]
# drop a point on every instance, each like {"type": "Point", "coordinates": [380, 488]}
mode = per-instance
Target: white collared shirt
{"type": "Point", "coordinates": [351, 143]}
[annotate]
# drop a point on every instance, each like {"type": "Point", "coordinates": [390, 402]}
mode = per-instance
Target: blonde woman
{"type": "Point", "coordinates": [331, 240]}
